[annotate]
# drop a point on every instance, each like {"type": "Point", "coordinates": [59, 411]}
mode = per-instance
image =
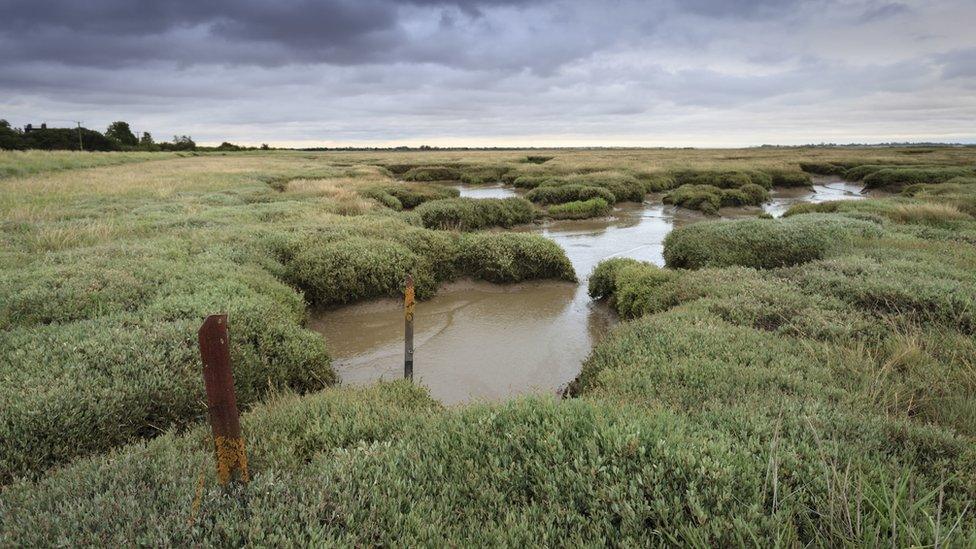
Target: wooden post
{"type": "Point", "coordinates": [222, 401]}
{"type": "Point", "coordinates": [408, 302]}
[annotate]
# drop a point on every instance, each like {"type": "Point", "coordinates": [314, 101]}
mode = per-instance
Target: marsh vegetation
{"type": "Point", "coordinates": [807, 380]}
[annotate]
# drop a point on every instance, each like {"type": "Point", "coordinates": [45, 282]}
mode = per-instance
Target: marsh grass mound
{"type": "Point", "coordinates": [624, 186]}
{"type": "Point", "coordinates": [708, 199]}
{"type": "Point", "coordinates": [621, 186]}
{"type": "Point", "coordinates": [477, 175]}
{"type": "Point", "coordinates": [895, 179]}
{"type": "Point", "coordinates": [580, 209]}
{"type": "Point", "coordinates": [466, 214]}
{"type": "Point", "coordinates": [762, 243]}
{"type": "Point", "coordinates": [551, 194]}
{"type": "Point", "coordinates": [513, 257]}
{"type": "Point", "coordinates": [432, 173]}
{"type": "Point", "coordinates": [399, 196]}
{"type": "Point", "coordinates": [112, 357]}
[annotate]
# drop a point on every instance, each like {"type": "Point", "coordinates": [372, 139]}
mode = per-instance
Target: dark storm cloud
{"type": "Point", "coordinates": [385, 70]}
{"type": "Point", "coordinates": [117, 32]}
{"type": "Point", "coordinates": [113, 33]}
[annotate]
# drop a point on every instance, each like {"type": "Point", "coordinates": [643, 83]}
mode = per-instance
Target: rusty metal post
{"type": "Point", "coordinates": [222, 401]}
{"type": "Point", "coordinates": [408, 302]}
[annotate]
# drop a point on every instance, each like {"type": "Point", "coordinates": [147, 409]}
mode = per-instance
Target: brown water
{"type": "Point", "coordinates": [481, 341]}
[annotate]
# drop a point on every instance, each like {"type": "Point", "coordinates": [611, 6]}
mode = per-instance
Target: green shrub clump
{"type": "Point", "coordinates": [725, 179]}
{"type": "Point", "coordinates": [624, 187]}
{"type": "Point", "coordinates": [113, 357]}
{"type": "Point", "coordinates": [475, 175]}
{"type": "Point", "coordinates": [398, 197]}
{"type": "Point", "coordinates": [708, 199]}
{"type": "Point", "coordinates": [513, 257]}
{"type": "Point", "coordinates": [789, 178]}
{"type": "Point", "coordinates": [823, 168]}
{"type": "Point", "coordinates": [432, 173]}
{"type": "Point", "coordinates": [466, 214]}
{"type": "Point", "coordinates": [762, 243]}
{"type": "Point", "coordinates": [531, 181]}
{"type": "Point", "coordinates": [630, 285]}
{"type": "Point", "coordinates": [580, 209]}
{"type": "Point", "coordinates": [655, 182]}
{"type": "Point", "coordinates": [358, 268]}
{"type": "Point", "coordinates": [568, 193]}
{"type": "Point", "coordinates": [897, 178]}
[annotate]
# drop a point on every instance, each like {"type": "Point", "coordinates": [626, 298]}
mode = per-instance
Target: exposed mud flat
{"type": "Point", "coordinates": [481, 341]}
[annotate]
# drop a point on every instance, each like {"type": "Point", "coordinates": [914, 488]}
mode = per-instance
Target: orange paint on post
{"type": "Point", "coordinates": [408, 304]}
{"type": "Point", "coordinates": [222, 400]}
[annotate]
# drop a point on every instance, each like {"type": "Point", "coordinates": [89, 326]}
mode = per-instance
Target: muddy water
{"type": "Point", "coordinates": [480, 341]}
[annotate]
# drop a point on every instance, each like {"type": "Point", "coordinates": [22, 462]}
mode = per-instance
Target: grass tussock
{"type": "Point", "coordinates": [476, 175]}
{"type": "Point", "coordinates": [467, 214]}
{"type": "Point", "coordinates": [708, 199]}
{"type": "Point", "coordinates": [432, 173]}
{"type": "Point", "coordinates": [399, 196]}
{"type": "Point", "coordinates": [546, 195]}
{"type": "Point", "coordinates": [512, 257]}
{"type": "Point", "coordinates": [621, 186]}
{"type": "Point", "coordinates": [897, 178]}
{"type": "Point", "coordinates": [580, 209]}
{"type": "Point", "coordinates": [762, 243]}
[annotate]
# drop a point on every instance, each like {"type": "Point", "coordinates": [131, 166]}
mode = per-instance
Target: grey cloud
{"type": "Point", "coordinates": [741, 8]}
{"type": "Point", "coordinates": [883, 11]}
{"type": "Point", "coordinates": [120, 32]}
{"type": "Point", "coordinates": [380, 70]}
{"type": "Point", "coordinates": [958, 64]}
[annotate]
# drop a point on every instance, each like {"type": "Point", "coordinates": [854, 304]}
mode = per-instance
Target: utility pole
{"type": "Point", "coordinates": [81, 146]}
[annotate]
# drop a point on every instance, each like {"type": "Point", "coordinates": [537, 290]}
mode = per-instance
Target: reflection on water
{"type": "Point", "coordinates": [824, 189]}
{"type": "Point", "coordinates": [473, 341]}
{"type": "Point", "coordinates": [480, 341]}
{"type": "Point", "coordinates": [496, 190]}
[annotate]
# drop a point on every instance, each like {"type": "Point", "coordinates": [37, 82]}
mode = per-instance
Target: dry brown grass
{"type": "Point", "coordinates": [927, 212]}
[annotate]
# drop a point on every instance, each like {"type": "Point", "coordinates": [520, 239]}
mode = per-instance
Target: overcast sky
{"type": "Point", "coordinates": [496, 72]}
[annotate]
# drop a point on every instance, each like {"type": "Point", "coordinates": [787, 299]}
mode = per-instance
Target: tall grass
{"type": "Point", "coordinates": [24, 163]}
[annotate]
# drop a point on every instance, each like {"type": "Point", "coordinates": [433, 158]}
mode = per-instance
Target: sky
{"type": "Point", "coordinates": [300, 73]}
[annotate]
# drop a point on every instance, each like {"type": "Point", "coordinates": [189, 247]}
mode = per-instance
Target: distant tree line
{"type": "Point", "coordinates": [117, 137]}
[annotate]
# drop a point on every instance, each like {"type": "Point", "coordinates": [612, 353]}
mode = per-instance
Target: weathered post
{"type": "Point", "coordinates": [222, 401]}
{"type": "Point", "coordinates": [408, 301]}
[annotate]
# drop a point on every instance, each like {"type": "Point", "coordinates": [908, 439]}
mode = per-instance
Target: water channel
{"type": "Point", "coordinates": [480, 341]}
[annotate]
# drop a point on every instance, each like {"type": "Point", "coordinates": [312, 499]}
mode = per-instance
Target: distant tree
{"type": "Point", "coordinates": [67, 139]}
{"type": "Point", "coordinates": [146, 140]}
{"type": "Point", "coordinates": [265, 147]}
{"type": "Point", "coordinates": [10, 139]}
{"type": "Point", "coordinates": [180, 143]}
{"type": "Point", "coordinates": [119, 131]}
{"type": "Point", "coordinates": [225, 146]}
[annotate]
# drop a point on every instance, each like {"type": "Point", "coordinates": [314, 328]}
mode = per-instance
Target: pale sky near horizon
{"type": "Point", "coordinates": [496, 72]}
